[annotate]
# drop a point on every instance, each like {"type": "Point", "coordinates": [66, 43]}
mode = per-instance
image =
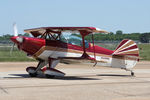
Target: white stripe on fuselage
{"type": "Point", "coordinates": [55, 54]}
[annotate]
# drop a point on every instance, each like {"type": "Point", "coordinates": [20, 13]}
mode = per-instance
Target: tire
{"type": "Point", "coordinates": [49, 76]}
{"type": "Point", "coordinates": [132, 73]}
{"type": "Point", "coordinates": [33, 74]}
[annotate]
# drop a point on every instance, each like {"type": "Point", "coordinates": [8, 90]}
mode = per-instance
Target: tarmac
{"type": "Point", "coordinates": [82, 82]}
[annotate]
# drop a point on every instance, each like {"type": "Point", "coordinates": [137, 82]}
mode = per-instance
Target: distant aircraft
{"type": "Point", "coordinates": [50, 45]}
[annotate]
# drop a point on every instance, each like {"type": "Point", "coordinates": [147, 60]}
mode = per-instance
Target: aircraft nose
{"type": "Point", "coordinates": [14, 39]}
{"type": "Point", "coordinates": [17, 39]}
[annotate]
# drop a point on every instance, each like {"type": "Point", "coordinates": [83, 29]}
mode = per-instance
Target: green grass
{"type": "Point", "coordinates": [17, 55]}
{"type": "Point", "coordinates": [144, 51]}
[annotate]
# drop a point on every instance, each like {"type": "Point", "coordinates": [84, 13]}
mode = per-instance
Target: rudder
{"type": "Point", "coordinates": [125, 55]}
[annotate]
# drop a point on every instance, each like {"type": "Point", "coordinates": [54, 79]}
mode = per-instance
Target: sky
{"type": "Point", "coordinates": [127, 15]}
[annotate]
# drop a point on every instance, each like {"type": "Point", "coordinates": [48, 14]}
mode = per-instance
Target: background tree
{"type": "Point", "coordinates": [25, 34]}
{"type": "Point", "coordinates": [144, 38]}
{"type": "Point", "coordinates": [119, 32]}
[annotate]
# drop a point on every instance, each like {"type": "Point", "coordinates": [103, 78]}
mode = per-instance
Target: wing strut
{"type": "Point", "coordinates": [94, 50]}
{"type": "Point", "coordinates": [85, 55]}
{"type": "Point", "coordinates": [83, 41]}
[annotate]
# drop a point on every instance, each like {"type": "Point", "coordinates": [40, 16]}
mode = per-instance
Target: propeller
{"type": "Point", "coordinates": [12, 48]}
{"type": "Point", "coordinates": [15, 34]}
{"type": "Point", "coordinates": [15, 29]}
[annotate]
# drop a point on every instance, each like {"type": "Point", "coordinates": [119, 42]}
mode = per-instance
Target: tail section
{"type": "Point", "coordinates": [126, 55]}
{"type": "Point", "coordinates": [127, 47]}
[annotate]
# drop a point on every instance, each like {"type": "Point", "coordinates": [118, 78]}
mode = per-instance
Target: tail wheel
{"type": "Point", "coordinates": [32, 71]}
{"type": "Point", "coordinates": [132, 73]}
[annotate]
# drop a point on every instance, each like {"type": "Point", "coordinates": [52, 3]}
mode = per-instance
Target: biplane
{"type": "Point", "coordinates": [51, 45]}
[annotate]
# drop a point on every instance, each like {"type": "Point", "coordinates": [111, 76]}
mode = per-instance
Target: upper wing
{"type": "Point", "coordinates": [85, 30]}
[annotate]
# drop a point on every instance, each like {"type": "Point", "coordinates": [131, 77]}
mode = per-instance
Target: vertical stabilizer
{"type": "Point", "coordinates": [126, 55]}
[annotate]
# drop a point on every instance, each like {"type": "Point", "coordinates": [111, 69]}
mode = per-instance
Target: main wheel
{"type": "Point", "coordinates": [51, 73]}
{"type": "Point", "coordinates": [32, 71]}
{"type": "Point", "coordinates": [49, 76]}
{"type": "Point", "coordinates": [33, 74]}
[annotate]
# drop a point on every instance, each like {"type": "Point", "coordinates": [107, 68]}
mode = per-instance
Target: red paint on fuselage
{"type": "Point", "coordinates": [32, 45]}
{"type": "Point", "coordinates": [29, 45]}
{"type": "Point", "coordinates": [101, 50]}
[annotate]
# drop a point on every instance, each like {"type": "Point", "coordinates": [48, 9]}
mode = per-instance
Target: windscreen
{"type": "Point", "coordinates": [73, 38]}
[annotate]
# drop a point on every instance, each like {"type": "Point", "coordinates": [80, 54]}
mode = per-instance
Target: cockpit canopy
{"type": "Point", "coordinates": [74, 40]}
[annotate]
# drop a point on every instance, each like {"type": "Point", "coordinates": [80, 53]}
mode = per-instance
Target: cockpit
{"type": "Point", "coordinates": [66, 37]}
{"type": "Point", "coordinates": [74, 40]}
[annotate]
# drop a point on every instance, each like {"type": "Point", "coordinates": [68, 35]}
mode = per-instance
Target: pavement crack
{"type": "Point", "coordinates": [4, 90]}
{"type": "Point", "coordinates": [124, 94]}
{"type": "Point", "coordinates": [120, 93]}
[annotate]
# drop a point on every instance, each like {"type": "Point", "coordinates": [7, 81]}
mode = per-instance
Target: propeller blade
{"type": "Point", "coordinates": [15, 34]}
{"type": "Point", "coordinates": [15, 29]}
{"type": "Point", "coordinates": [12, 48]}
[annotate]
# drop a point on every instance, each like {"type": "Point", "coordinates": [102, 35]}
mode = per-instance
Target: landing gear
{"type": "Point", "coordinates": [45, 69]}
{"type": "Point", "coordinates": [32, 71]}
{"type": "Point", "coordinates": [33, 74]}
{"type": "Point", "coordinates": [51, 73]}
{"type": "Point", "coordinates": [132, 73]}
{"type": "Point", "coordinates": [49, 76]}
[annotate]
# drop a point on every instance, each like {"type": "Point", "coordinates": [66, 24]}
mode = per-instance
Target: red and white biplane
{"type": "Point", "coordinates": [50, 45]}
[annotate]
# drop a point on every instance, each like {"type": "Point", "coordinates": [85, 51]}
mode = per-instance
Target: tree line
{"type": "Point", "coordinates": [119, 35]}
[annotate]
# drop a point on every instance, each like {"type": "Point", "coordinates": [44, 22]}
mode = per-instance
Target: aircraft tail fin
{"type": "Point", "coordinates": [127, 47]}
{"type": "Point", "coordinates": [126, 55]}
